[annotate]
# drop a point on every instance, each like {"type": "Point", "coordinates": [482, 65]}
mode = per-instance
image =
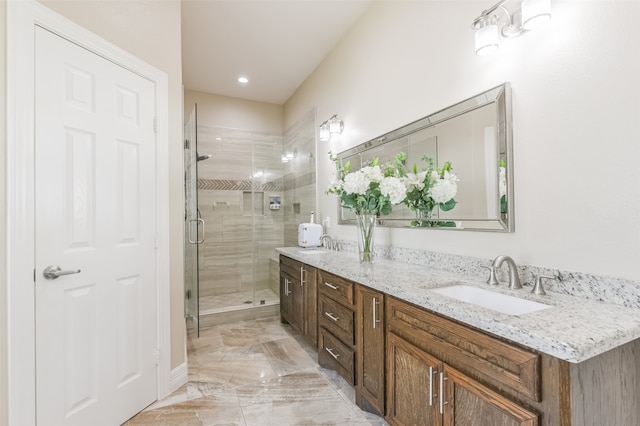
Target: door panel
{"type": "Point", "coordinates": [412, 396]}
{"type": "Point", "coordinates": [471, 404]}
{"type": "Point", "coordinates": [95, 196]}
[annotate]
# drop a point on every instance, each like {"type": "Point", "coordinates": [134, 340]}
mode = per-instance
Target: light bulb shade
{"type": "Point", "coordinates": [335, 126]}
{"type": "Point", "coordinates": [324, 132]}
{"type": "Point", "coordinates": [535, 13]}
{"type": "Point", "coordinates": [487, 39]}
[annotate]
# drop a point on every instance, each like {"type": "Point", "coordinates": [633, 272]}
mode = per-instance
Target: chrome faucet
{"type": "Point", "coordinates": [324, 238]}
{"type": "Point", "coordinates": [514, 278]}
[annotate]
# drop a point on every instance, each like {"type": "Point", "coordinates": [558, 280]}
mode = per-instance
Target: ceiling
{"type": "Point", "coordinates": [276, 44]}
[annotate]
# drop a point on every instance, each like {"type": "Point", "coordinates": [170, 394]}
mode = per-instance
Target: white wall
{"type": "Point", "coordinates": [576, 108]}
{"type": "Point", "coordinates": [234, 113]}
{"type": "Point", "coordinates": [149, 30]}
{"type": "Point", "coordinates": [3, 233]}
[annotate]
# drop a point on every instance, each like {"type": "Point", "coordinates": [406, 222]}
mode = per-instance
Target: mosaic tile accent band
{"type": "Point", "coordinates": [237, 185]}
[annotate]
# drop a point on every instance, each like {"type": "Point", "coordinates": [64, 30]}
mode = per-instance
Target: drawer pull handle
{"type": "Point", "coordinates": [330, 285]}
{"type": "Point", "coordinates": [335, 356]}
{"type": "Point", "coordinates": [430, 386]}
{"type": "Point", "coordinates": [302, 271]}
{"type": "Point", "coordinates": [330, 315]}
{"type": "Point", "coordinates": [442, 401]}
{"type": "Point", "coordinates": [375, 316]}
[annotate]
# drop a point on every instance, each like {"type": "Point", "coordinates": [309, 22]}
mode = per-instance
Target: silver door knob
{"type": "Point", "coordinates": [52, 272]}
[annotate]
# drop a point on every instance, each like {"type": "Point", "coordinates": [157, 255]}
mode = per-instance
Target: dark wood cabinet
{"type": "Point", "coordinates": [412, 380]}
{"type": "Point", "coordinates": [417, 367]}
{"type": "Point", "coordinates": [310, 304]}
{"type": "Point", "coordinates": [424, 391]}
{"type": "Point", "coordinates": [426, 385]}
{"type": "Point", "coordinates": [370, 349]}
{"type": "Point", "coordinates": [298, 297]}
{"type": "Point", "coordinates": [336, 325]}
{"type": "Point", "coordinates": [467, 402]}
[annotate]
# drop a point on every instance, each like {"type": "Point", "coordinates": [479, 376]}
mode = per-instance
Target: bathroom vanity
{"type": "Point", "coordinates": [419, 357]}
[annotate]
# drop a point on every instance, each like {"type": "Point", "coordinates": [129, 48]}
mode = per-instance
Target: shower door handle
{"type": "Point", "coordinates": [198, 222]}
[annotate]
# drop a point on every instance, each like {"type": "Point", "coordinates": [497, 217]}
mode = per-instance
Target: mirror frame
{"type": "Point", "coordinates": [500, 98]}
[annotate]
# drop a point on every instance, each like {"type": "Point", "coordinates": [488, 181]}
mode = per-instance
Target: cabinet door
{"type": "Point", "coordinates": [285, 299]}
{"type": "Point", "coordinates": [412, 392]}
{"type": "Point", "coordinates": [370, 350]}
{"type": "Point", "coordinates": [310, 305]}
{"type": "Point", "coordinates": [297, 303]}
{"type": "Point", "coordinates": [468, 403]}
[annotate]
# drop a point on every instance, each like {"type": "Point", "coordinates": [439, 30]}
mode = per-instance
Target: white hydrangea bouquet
{"type": "Point", "coordinates": [427, 189]}
{"type": "Point", "coordinates": [370, 192]}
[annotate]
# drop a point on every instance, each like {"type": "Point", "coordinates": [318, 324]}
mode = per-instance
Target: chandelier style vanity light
{"type": "Point", "coordinates": [498, 21]}
{"type": "Point", "coordinates": [332, 126]}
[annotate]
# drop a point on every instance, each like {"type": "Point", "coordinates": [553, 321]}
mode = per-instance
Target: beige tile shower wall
{"type": "Point", "coordinates": [299, 176]}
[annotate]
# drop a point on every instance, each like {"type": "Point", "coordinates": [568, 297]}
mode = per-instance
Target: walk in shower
{"type": "Point", "coordinates": [251, 193]}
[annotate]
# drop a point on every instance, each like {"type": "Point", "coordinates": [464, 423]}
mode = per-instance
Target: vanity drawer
{"type": "Point", "coordinates": [481, 356]}
{"type": "Point", "coordinates": [333, 354]}
{"type": "Point", "coordinates": [290, 266]}
{"type": "Point", "coordinates": [337, 318]}
{"type": "Point", "coordinates": [336, 287]}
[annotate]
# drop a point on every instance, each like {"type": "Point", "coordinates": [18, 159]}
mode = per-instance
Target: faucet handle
{"type": "Point", "coordinates": [492, 275]}
{"type": "Point", "coordinates": [537, 288]}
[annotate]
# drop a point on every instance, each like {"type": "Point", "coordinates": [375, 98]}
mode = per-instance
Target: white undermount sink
{"type": "Point", "coordinates": [499, 302]}
{"type": "Point", "coordinates": [311, 251]}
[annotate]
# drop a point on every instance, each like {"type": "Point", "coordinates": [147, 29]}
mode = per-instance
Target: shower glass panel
{"type": "Point", "coordinates": [193, 229]}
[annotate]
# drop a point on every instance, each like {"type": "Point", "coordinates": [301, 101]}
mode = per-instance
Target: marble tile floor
{"type": "Point", "coordinates": [256, 373]}
{"type": "Point", "coordinates": [236, 300]}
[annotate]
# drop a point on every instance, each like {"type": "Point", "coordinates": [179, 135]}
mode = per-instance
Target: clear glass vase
{"type": "Point", "coordinates": [366, 231]}
{"type": "Point", "coordinates": [423, 219]}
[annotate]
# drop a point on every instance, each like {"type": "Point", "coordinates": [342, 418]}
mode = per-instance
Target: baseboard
{"type": "Point", "coordinates": [178, 376]}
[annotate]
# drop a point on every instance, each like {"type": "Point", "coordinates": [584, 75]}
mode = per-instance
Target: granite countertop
{"type": "Point", "coordinates": [574, 329]}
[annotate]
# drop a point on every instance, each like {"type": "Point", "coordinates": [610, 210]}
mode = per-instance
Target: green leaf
{"type": "Point", "coordinates": [447, 224]}
{"type": "Point", "coordinates": [448, 205]}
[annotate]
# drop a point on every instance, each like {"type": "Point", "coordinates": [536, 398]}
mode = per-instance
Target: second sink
{"type": "Point", "coordinates": [499, 302]}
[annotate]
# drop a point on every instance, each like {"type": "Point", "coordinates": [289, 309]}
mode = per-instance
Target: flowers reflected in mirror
{"type": "Point", "coordinates": [427, 189]}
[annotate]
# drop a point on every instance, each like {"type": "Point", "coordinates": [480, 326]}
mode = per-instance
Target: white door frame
{"type": "Point", "coordinates": [22, 16]}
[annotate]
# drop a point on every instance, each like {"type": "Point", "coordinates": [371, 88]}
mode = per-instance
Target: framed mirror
{"type": "Point", "coordinates": [475, 136]}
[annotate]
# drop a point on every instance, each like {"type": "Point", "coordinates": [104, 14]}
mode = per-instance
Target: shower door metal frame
{"type": "Point", "coordinates": [192, 252]}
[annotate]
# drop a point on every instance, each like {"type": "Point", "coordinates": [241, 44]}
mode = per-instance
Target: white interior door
{"type": "Point", "coordinates": [96, 330]}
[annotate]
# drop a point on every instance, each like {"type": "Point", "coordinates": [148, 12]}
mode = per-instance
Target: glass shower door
{"type": "Point", "coordinates": [194, 225]}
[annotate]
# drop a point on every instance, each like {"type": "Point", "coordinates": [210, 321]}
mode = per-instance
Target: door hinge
{"type": "Point", "coordinates": [34, 275]}
{"type": "Point", "coordinates": [188, 294]}
{"type": "Point", "coordinates": [155, 124]}
{"type": "Point", "coordinates": [158, 240]}
{"type": "Point", "coordinates": [157, 356]}
{"type": "Point", "coordinates": [186, 144]}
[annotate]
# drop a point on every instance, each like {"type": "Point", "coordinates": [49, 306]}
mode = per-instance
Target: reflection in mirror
{"type": "Point", "coordinates": [475, 137]}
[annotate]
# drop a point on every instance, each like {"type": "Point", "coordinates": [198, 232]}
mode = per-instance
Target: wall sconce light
{"type": "Point", "coordinates": [332, 126]}
{"type": "Point", "coordinates": [530, 14]}
{"type": "Point", "coordinates": [325, 135]}
{"type": "Point", "coordinates": [288, 156]}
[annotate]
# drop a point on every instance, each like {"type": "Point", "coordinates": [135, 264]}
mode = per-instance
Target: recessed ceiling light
{"type": "Point", "coordinates": [243, 80]}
